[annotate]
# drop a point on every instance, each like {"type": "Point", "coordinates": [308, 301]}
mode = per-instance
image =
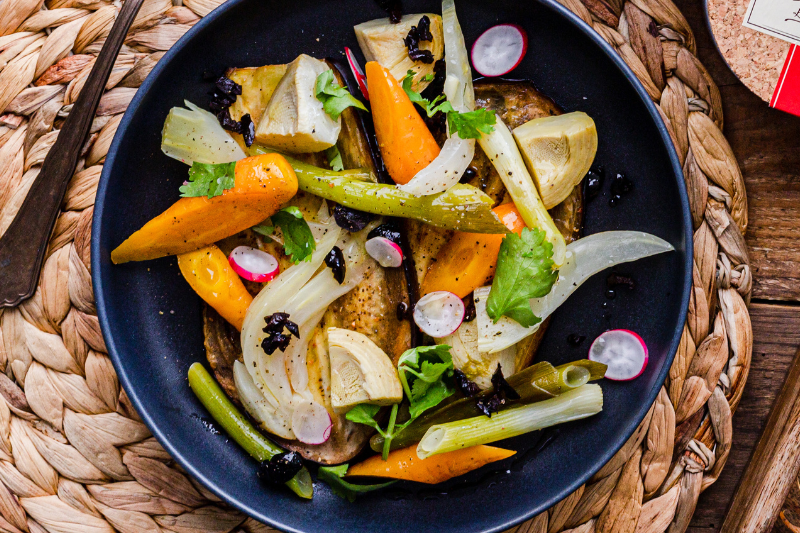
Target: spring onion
{"type": "Point", "coordinates": [239, 428]}
{"type": "Point", "coordinates": [575, 404]}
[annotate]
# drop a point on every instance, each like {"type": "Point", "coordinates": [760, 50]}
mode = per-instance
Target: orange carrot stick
{"type": "Point", "coordinates": [468, 260]}
{"type": "Point", "coordinates": [262, 184]}
{"type": "Point", "coordinates": [406, 143]}
{"type": "Point", "coordinates": [404, 463]}
{"type": "Point", "coordinates": [210, 275]}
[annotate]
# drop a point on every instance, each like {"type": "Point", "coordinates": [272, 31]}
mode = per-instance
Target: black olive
{"type": "Point", "coordinates": [276, 339]}
{"type": "Point", "coordinates": [418, 33]}
{"type": "Point", "coordinates": [228, 86]}
{"type": "Point", "coordinates": [394, 8]}
{"type": "Point", "coordinates": [248, 130]}
{"type": "Point", "coordinates": [424, 29]}
{"type": "Point", "coordinates": [335, 261]}
{"type": "Point", "coordinates": [620, 186]}
{"type": "Point", "coordinates": [468, 174]}
{"type": "Point", "coordinates": [469, 308]}
{"type": "Point", "coordinates": [575, 340]}
{"type": "Point", "coordinates": [349, 219]}
{"type": "Point", "coordinates": [402, 311]}
{"type": "Point", "coordinates": [468, 388]}
{"type": "Point", "coordinates": [594, 182]}
{"type": "Point", "coordinates": [281, 468]}
{"type": "Point", "coordinates": [387, 231]}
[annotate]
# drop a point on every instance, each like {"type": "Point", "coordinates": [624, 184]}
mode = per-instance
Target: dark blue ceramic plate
{"type": "Point", "coordinates": [151, 318]}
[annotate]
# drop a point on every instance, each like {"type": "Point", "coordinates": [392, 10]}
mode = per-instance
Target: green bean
{"type": "Point", "coordinates": [462, 207]}
{"type": "Point", "coordinates": [239, 428]}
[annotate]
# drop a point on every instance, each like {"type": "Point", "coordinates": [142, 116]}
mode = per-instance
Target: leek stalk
{"type": "Point", "coordinates": [575, 404]}
{"type": "Point", "coordinates": [240, 429]}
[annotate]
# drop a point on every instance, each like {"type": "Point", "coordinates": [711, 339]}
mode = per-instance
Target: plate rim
{"type": "Point", "coordinates": [125, 381]}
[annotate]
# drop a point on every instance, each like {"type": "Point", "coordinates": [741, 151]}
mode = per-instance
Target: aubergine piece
{"type": "Point", "coordinates": [370, 308]}
{"type": "Point", "coordinates": [516, 102]}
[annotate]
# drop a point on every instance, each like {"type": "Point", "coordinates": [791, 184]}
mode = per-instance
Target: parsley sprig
{"type": "Point", "coordinates": [298, 241]}
{"type": "Point", "coordinates": [524, 271]}
{"type": "Point", "coordinates": [334, 97]}
{"type": "Point", "coordinates": [206, 179]}
{"type": "Point", "coordinates": [469, 125]}
{"type": "Point", "coordinates": [426, 373]}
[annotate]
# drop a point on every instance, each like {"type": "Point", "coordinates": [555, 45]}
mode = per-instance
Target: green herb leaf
{"type": "Point", "coordinates": [332, 475]}
{"type": "Point", "coordinates": [471, 125]}
{"type": "Point", "coordinates": [206, 179]}
{"type": "Point", "coordinates": [422, 372]}
{"type": "Point", "coordinates": [431, 108]}
{"type": "Point", "coordinates": [428, 77]}
{"type": "Point", "coordinates": [298, 241]}
{"type": "Point", "coordinates": [264, 229]}
{"type": "Point", "coordinates": [334, 98]}
{"type": "Point", "coordinates": [364, 413]}
{"type": "Point", "coordinates": [524, 271]}
{"type": "Point", "coordinates": [334, 158]}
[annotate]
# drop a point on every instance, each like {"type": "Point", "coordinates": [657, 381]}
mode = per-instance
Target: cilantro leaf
{"type": "Point", "coordinates": [332, 475]}
{"type": "Point", "coordinates": [524, 271]}
{"type": "Point", "coordinates": [334, 158]}
{"type": "Point", "coordinates": [298, 241]}
{"type": "Point", "coordinates": [431, 108]}
{"type": "Point", "coordinates": [422, 373]}
{"type": "Point", "coordinates": [364, 413]}
{"type": "Point", "coordinates": [264, 229]}
{"type": "Point", "coordinates": [206, 179]}
{"type": "Point", "coordinates": [334, 98]}
{"type": "Point", "coordinates": [428, 77]}
{"type": "Point", "coordinates": [470, 125]}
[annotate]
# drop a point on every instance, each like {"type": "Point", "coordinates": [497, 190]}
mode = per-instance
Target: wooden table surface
{"type": "Point", "coordinates": [767, 145]}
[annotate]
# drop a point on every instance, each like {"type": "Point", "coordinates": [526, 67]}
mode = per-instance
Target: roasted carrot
{"type": "Point", "coordinates": [404, 463]}
{"type": "Point", "coordinates": [406, 143]}
{"type": "Point", "coordinates": [210, 275]}
{"type": "Point", "coordinates": [468, 260]}
{"type": "Point", "coordinates": [262, 184]}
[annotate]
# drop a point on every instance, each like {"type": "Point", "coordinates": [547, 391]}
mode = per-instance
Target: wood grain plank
{"type": "Point", "coordinates": [777, 338]}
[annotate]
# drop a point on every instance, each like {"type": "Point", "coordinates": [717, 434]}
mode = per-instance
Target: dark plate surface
{"type": "Point", "coordinates": [151, 318]}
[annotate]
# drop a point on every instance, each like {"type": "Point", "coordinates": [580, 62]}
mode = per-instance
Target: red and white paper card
{"type": "Point", "coordinates": [781, 19]}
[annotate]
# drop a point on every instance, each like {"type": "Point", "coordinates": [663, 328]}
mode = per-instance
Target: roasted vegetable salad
{"type": "Point", "coordinates": [378, 250]}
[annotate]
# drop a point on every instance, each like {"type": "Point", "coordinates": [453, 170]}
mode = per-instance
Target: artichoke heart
{"type": "Point", "coordinates": [558, 151]}
{"type": "Point", "coordinates": [258, 86]}
{"type": "Point", "coordinates": [360, 372]}
{"type": "Point", "coordinates": [382, 41]}
{"type": "Point", "coordinates": [294, 119]}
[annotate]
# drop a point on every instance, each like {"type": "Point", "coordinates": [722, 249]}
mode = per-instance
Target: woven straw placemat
{"type": "Point", "coordinates": [74, 456]}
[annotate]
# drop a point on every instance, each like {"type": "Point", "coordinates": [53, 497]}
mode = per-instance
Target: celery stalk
{"type": "Point", "coordinates": [239, 428]}
{"type": "Point", "coordinates": [462, 207]}
{"type": "Point", "coordinates": [575, 404]}
{"type": "Point", "coordinates": [502, 151]}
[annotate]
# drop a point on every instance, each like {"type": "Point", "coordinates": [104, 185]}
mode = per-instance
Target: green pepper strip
{"type": "Point", "coordinates": [462, 207]}
{"type": "Point", "coordinates": [534, 384]}
{"type": "Point", "coordinates": [239, 428]}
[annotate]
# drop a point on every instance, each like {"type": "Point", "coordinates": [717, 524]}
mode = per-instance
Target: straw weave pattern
{"type": "Point", "coordinates": [76, 458]}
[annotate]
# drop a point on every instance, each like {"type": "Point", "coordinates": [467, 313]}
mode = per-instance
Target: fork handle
{"type": "Point", "coordinates": [23, 246]}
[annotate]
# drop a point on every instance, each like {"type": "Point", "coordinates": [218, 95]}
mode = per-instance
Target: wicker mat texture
{"type": "Point", "coordinates": [74, 456]}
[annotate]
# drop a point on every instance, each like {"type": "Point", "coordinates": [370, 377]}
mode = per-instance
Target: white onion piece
{"type": "Point", "coordinates": [623, 351]}
{"type": "Point", "coordinates": [499, 50]}
{"type": "Point", "coordinates": [456, 154]}
{"type": "Point", "coordinates": [439, 313]}
{"type": "Point", "coordinates": [253, 264]}
{"type": "Point", "coordinates": [385, 252]}
{"type": "Point", "coordinates": [311, 423]}
{"type": "Point", "coordinates": [584, 258]}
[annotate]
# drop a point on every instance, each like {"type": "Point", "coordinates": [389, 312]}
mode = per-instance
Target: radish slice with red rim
{"type": "Point", "coordinates": [623, 351]}
{"type": "Point", "coordinates": [311, 423]}
{"type": "Point", "coordinates": [254, 265]}
{"type": "Point", "coordinates": [439, 313]}
{"type": "Point", "coordinates": [358, 73]}
{"type": "Point", "coordinates": [387, 253]}
{"type": "Point", "coordinates": [499, 50]}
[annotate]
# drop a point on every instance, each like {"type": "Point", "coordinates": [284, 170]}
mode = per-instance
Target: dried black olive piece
{"type": "Point", "coordinates": [501, 385]}
{"type": "Point", "coordinates": [350, 219]}
{"type": "Point", "coordinates": [335, 261]}
{"type": "Point", "coordinates": [469, 308]}
{"type": "Point", "coordinates": [423, 56]}
{"type": "Point", "coordinates": [502, 393]}
{"type": "Point", "coordinates": [424, 29]}
{"type": "Point", "coordinates": [468, 388]}
{"type": "Point", "coordinates": [394, 8]}
{"type": "Point", "coordinates": [387, 231]}
{"type": "Point", "coordinates": [616, 279]}
{"type": "Point", "coordinates": [276, 339]}
{"type": "Point", "coordinates": [225, 120]}
{"type": "Point", "coordinates": [248, 130]}
{"type": "Point", "coordinates": [281, 468]}
{"type": "Point", "coordinates": [421, 32]}
{"type": "Point", "coordinates": [594, 182]}
{"type": "Point", "coordinates": [228, 86]}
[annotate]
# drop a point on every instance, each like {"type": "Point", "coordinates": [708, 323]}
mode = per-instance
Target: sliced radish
{"type": "Point", "coordinates": [358, 73]}
{"type": "Point", "coordinates": [253, 264]}
{"type": "Point", "coordinates": [311, 423]}
{"type": "Point", "coordinates": [499, 50]}
{"type": "Point", "coordinates": [439, 313]}
{"type": "Point", "coordinates": [385, 252]}
{"type": "Point", "coordinates": [623, 351]}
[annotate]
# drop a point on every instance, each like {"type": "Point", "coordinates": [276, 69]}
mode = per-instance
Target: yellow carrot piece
{"type": "Point", "coordinates": [210, 275]}
{"type": "Point", "coordinates": [263, 183]}
{"type": "Point", "coordinates": [404, 464]}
